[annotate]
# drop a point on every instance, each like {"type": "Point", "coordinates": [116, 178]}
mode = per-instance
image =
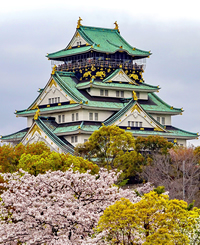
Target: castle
{"type": "Point", "coordinates": [96, 80]}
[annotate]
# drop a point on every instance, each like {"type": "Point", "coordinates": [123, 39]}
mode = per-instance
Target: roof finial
{"type": "Point", "coordinates": [79, 23]}
{"type": "Point", "coordinates": [135, 96]}
{"type": "Point", "coordinates": [37, 114]}
{"type": "Point", "coordinates": [116, 26]}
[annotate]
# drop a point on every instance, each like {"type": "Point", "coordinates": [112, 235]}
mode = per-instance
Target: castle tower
{"type": "Point", "coordinates": [97, 80]}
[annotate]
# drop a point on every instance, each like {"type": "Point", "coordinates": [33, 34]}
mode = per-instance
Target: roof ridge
{"type": "Point", "coordinates": [54, 137]}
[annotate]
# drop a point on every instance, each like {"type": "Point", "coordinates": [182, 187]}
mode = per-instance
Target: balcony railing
{"type": "Point", "coordinates": [99, 63]}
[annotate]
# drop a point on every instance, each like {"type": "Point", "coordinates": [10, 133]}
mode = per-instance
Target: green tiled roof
{"type": "Point", "coordinates": [140, 87]}
{"type": "Point", "coordinates": [69, 86]}
{"type": "Point", "coordinates": [65, 146]}
{"type": "Point", "coordinates": [101, 40]}
{"type": "Point", "coordinates": [160, 105]}
{"type": "Point", "coordinates": [174, 133]}
{"type": "Point", "coordinates": [15, 136]}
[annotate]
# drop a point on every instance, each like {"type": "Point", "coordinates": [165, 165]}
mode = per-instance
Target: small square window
{"type": "Point", "coordinates": [59, 118]}
{"type": "Point", "coordinates": [106, 92]}
{"type": "Point", "coordinates": [101, 92]}
{"type": "Point", "coordinates": [90, 116]}
{"type": "Point", "coordinates": [140, 124]}
{"type": "Point", "coordinates": [76, 116]}
{"type": "Point", "coordinates": [72, 117]}
{"type": "Point", "coordinates": [158, 119]}
{"type": "Point", "coordinates": [63, 118]}
{"type": "Point", "coordinates": [117, 93]}
{"type": "Point", "coordinates": [129, 123]}
{"type": "Point", "coordinates": [72, 139]}
{"type": "Point", "coordinates": [52, 100]}
{"type": "Point", "coordinates": [163, 120]}
{"type": "Point", "coordinates": [96, 116]}
{"type": "Point", "coordinates": [49, 100]}
{"type": "Point", "coordinates": [136, 124]}
{"type": "Point", "coordinates": [132, 123]}
{"type": "Point", "coordinates": [122, 94]}
{"type": "Point", "coordinates": [76, 139]}
{"type": "Point", "coordinates": [56, 100]}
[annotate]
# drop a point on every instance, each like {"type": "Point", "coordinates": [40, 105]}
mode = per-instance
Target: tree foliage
{"type": "Point", "coordinates": [107, 145]}
{"type": "Point", "coordinates": [38, 158]}
{"type": "Point", "coordinates": [153, 220]}
{"type": "Point", "coordinates": [10, 155]}
{"type": "Point", "coordinates": [56, 207]}
{"type": "Point", "coordinates": [178, 172]}
{"type": "Point", "coordinates": [35, 164]}
{"type": "Point", "coordinates": [151, 145]}
{"type": "Point", "coordinates": [113, 148]}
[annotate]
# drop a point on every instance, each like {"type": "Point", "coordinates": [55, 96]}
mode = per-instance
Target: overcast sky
{"type": "Point", "coordinates": [170, 29]}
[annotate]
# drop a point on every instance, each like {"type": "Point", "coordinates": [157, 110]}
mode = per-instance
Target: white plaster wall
{"type": "Point", "coordinates": [29, 121]}
{"type": "Point", "coordinates": [181, 142]}
{"type": "Point", "coordinates": [167, 118]}
{"type": "Point", "coordinates": [80, 138]}
{"type": "Point", "coordinates": [143, 96]}
{"type": "Point", "coordinates": [52, 93]}
{"type": "Point", "coordinates": [139, 118]}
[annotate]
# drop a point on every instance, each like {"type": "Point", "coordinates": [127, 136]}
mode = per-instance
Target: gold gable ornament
{"type": "Point", "coordinates": [79, 23]}
{"type": "Point", "coordinates": [53, 70]}
{"type": "Point", "coordinates": [116, 26]}
{"type": "Point", "coordinates": [135, 96]}
{"type": "Point", "coordinates": [37, 114]}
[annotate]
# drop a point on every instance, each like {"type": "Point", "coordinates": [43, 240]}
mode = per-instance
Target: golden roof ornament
{"type": "Point", "coordinates": [116, 26]}
{"type": "Point", "coordinates": [135, 96]}
{"type": "Point", "coordinates": [37, 114]}
{"type": "Point", "coordinates": [53, 70]}
{"type": "Point", "coordinates": [79, 23]}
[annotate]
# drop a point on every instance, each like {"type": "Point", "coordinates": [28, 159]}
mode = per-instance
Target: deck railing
{"type": "Point", "coordinates": [100, 63]}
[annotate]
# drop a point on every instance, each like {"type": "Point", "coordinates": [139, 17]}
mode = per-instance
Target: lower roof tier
{"type": "Point", "coordinates": [47, 128]}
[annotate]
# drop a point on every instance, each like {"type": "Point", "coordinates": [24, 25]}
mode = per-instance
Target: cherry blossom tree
{"type": "Point", "coordinates": [57, 207]}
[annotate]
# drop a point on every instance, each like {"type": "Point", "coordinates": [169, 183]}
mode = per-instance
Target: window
{"type": "Point", "coordinates": [106, 92]}
{"type": "Point", "coordinates": [54, 100]}
{"type": "Point", "coordinates": [101, 92]}
{"type": "Point", "coordinates": [134, 124]}
{"type": "Point", "coordinates": [90, 116]}
{"type": "Point", "coordinates": [76, 116]}
{"type": "Point", "coordinates": [72, 117]}
{"type": "Point", "coordinates": [63, 118]}
{"type": "Point", "coordinates": [59, 118]}
{"type": "Point", "coordinates": [138, 95]}
{"type": "Point", "coordinates": [96, 116]}
{"type": "Point", "coordinates": [158, 119]}
{"type": "Point", "coordinates": [163, 120]}
{"type": "Point", "coordinates": [74, 139]}
{"type": "Point", "coordinates": [120, 94]}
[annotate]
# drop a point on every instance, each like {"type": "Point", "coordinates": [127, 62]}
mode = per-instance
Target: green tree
{"type": "Point", "coordinates": [153, 220]}
{"type": "Point", "coordinates": [35, 164]}
{"type": "Point", "coordinates": [113, 148]}
{"type": "Point", "coordinates": [10, 155]}
{"type": "Point", "coordinates": [152, 145]}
